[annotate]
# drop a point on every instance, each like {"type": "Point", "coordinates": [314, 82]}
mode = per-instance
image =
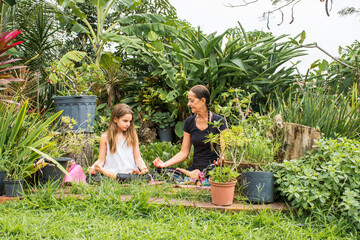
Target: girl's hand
{"type": "Point", "coordinates": [91, 169]}
{"type": "Point", "coordinates": [158, 163]}
{"type": "Point", "coordinates": [98, 168]}
{"type": "Point", "coordinates": [135, 172]}
{"type": "Point", "coordinates": [144, 171]}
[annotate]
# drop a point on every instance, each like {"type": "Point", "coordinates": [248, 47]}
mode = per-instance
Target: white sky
{"type": "Point", "coordinates": [329, 32]}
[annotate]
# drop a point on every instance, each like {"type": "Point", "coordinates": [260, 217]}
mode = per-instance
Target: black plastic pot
{"type": "Point", "coordinates": [14, 188]}
{"type": "Point", "coordinates": [258, 187]}
{"type": "Point", "coordinates": [51, 172]}
{"type": "Point", "coordinates": [2, 184]}
{"type": "Point", "coordinates": [165, 134]}
{"type": "Point", "coordinates": [81, 108]}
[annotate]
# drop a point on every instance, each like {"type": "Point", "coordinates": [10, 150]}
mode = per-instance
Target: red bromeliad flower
{"type": "Point", "coordinates": [5, 39]}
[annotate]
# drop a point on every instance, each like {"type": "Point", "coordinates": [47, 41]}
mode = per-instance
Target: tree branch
{"type": "Point", "coordinates": [314, 45]}
{"type": "Point", "coordinates": [266, 15]}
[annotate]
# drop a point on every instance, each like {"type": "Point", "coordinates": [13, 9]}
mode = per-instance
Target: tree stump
{"type": "Point", "coordinates": [298, 139]}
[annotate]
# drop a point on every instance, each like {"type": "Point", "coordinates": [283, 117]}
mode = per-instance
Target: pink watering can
{"type": "Point", "coordinates": [76, 175]}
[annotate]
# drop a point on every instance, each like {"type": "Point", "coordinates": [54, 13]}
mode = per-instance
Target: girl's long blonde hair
{"type": "Point", "coordinates": [130, 134]}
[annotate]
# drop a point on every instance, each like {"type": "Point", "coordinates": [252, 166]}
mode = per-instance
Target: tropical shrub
{"type": "Point", "coordinates": [338, 76]}
{"type": "Point", "coordinates": [75, 80]}
{"type": "Point", "coordinates": [20, 133]}
{"type": "Point", "coordinates": [326, 179]}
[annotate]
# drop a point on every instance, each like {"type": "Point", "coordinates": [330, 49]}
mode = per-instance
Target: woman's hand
{"type": "Point", "coordinates": [144, 171]}
{"type": "Point", "coordinates": [135, 172]}
{"type": "Point", "coordinates": [219, 161]}
{"type": "Point", "coordinates": [158, 163]}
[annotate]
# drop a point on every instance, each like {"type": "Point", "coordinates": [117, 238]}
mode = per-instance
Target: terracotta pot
{"type": "Point", "coordinates": [222, 193]}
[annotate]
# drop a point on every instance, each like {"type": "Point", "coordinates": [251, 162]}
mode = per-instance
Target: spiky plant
{"type": "Point", "coordinates": [6, 64]}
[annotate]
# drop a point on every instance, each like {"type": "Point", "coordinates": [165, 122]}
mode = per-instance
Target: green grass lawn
{"type": "Point", "coordinates": [102, 215]}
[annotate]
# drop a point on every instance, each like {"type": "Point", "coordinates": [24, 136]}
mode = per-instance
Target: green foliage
{"type": "Point", "coordinates": [264, 143]}
{"type": "Point", "coordinates": [70, 143]}
{"type": "Point", "coordinates": [255, 66]}
{"type": "Point", "coordinates": [165, 151]}
{"type": "Point", "coordinates": [326, 179]}
{"type": "Point", "coordinates": [82, 80]}
{"type": "Point", "coordinates": [20, 131]}
{"type": "Point", "coordinates": [163, 119]}
{"type": "Point", "coordinates": [223, 174]}
{"type": "Point", "coordinates": [102, 118]}
{"type": "Point", "coordinates": [252, 139]}
{"type": "Point", "coordinates": [334, 115]}
{"type": "Point", "coordinates": [340, 75]}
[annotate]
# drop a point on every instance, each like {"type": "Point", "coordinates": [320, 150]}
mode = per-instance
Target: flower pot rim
{"type": "Point", "coordinates": [13, 180]}
{"type": "Point", "coordinates": [234, 180]}
{"type": "Point", "coordinates": [74, 96]}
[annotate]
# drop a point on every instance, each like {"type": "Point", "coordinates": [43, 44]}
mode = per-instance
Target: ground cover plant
{"type": "Point", "coordinates": [326, 180]}
{"type": "Point", "coordinates": [102, 215]}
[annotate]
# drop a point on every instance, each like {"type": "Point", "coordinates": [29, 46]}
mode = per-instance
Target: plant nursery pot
{"type": "Point", "coordinates": [51, 172]}
{"type": "Point", "coordinates": [165, 134]}
{"type": "Point", "coordinates": [81, 108]}
{"type": "Point", "coordinates": [258, 187]}
{"type": "Point", "coordinates": [222, 194]}
{"type": "Point", "coordinates": [14, 188]}
{"type": "Point", "coordinates": [2, 184]}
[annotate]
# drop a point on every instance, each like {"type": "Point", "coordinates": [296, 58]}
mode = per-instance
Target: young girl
{"type": "Point", "coordinates": [119, 153]}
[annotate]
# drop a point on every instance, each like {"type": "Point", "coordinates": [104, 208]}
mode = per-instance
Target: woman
{"type": "Point", "coordinates": [196, 128]}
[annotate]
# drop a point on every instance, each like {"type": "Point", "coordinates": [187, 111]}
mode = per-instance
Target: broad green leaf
{"type": "Point", "coordinates": [47, 157]}
{"type": "Point", "coordinates": [78, 28]}
{"type": "Point", "coordinates": [179, 129]}
{"type": "Point", "coordinates": [152, 36]}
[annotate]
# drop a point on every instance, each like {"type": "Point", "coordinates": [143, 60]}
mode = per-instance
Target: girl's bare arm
{"type": "Point", "coordinates": [138, 159]}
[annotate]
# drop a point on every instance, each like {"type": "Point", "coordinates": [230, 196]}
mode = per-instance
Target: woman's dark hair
{"type": "Point", "coordinates": [200, 92]}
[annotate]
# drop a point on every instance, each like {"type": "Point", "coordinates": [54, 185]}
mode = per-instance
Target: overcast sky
{"type": "Point", "coordinates": [329, 32]}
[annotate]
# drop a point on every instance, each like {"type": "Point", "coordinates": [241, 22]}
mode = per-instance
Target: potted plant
{"type": "Point", "coordinates": [261, 149]}
{"type": "Point", "coordinates": [77, 84]}
{"type": "Point", "coordinates": [23, 138]}
{"type": "Point", "coordinates": [223, 177]}
{"type": "Point", "coordinates": [165, 122]}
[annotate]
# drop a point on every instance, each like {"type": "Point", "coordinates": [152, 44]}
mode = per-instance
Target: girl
{"type": "Point", "coordinates": [119, 153]}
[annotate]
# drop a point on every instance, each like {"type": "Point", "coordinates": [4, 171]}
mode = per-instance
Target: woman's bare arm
{"type": "Point", "coordinates": [180, 156]}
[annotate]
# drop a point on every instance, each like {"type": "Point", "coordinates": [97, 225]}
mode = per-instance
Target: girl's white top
{"type": "Point", "coordinates": [122, 161]}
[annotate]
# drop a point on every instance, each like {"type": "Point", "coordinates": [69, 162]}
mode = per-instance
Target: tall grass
{"type": "Point", "coordinates": [334, 115]}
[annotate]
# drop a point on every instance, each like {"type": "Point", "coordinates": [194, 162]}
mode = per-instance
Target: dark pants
{"type": "Point", "coordinates": [123, 177]}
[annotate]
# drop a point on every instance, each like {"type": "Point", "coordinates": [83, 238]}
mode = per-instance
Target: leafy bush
{"type": "Point", "coordinates": [327, 179]}
{"type": "Point", "coordinates": [165, 151]}
{"type": "Point", "coordinates": [163, 119]}
{"type": "Point", "coordinates": [20, 133]}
